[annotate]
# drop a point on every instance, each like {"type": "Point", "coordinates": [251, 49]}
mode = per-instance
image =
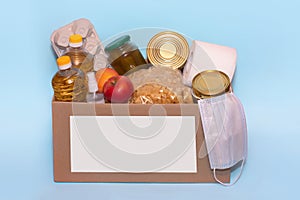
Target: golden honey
{"type": "Point", "coordinates": [128, 61]}
{"type": "Point", "coordinates": [124, 55]}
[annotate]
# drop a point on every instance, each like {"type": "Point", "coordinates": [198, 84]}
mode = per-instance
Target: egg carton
{"type": "Point", "coordinates": [91, 42]}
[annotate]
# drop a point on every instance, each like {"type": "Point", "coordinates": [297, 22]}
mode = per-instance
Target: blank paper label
{"type": "Point", "coordinates": [133, 144]}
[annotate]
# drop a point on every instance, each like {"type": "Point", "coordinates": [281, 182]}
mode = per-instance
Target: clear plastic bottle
{"type": "Point", "coordinates": [69, 84]}
{"type": "Point", "coordinates": [80, 58]}
{"type": "Point", "coordinates": [93, 96]}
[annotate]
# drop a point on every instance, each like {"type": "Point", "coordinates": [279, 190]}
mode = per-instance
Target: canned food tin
{"type": "Point", "coordinates": [168, 49]}
{"type": "Point", "coordinates": [210, 83]}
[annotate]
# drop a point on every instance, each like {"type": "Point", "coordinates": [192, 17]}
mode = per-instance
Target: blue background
{"type": "Point", "coordinates": [266, 35]}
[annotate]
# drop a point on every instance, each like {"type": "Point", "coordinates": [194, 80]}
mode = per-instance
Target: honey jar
{"type": "Point", "coordinates": [124, 55]}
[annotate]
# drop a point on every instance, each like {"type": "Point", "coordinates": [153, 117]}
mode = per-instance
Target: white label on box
{"type": "Point", "coordinates": [133, 144]}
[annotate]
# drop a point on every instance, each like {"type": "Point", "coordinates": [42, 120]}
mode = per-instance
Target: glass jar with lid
{"type": "Point", "coordinates": [124, 55]}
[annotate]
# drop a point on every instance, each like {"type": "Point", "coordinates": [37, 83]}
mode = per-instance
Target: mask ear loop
{"type": "Point", "coordinates": [237, 178]}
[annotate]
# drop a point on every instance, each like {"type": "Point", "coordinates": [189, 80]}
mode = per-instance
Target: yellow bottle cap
{"type": "Point", "coordinates": [75, 40]}
{"type": "Point", "coordinates": [63, 62]}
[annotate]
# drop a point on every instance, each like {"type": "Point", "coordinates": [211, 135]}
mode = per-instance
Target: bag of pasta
{"type": "Point", "coordinates": [158, 85]}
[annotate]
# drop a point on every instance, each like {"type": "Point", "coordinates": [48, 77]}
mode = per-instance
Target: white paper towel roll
{"type": "Point", "coordinates": [205, 56]}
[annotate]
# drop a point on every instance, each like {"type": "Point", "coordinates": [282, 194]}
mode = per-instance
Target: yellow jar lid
{"type": "Point", "coordinates": [210, 83]}
{"type": "Point", "coordinates": [168, 49]}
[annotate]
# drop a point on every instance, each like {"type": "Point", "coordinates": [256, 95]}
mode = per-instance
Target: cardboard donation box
{"type": "Point", "coordinates": [134, 142]}
{"type": "Point", "coordinates": [130, 143]}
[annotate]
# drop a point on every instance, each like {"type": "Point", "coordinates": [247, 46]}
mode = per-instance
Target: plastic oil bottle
{"type": "Point", "coordinates": [79, 57]}
{"type": "Point", "coordinates": [93, 96]}
{"type": "Point", "coordinates": [69, 84]}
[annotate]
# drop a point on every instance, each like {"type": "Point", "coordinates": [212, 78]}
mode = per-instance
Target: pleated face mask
{"type": "Point", "coordinates": [225, 131]}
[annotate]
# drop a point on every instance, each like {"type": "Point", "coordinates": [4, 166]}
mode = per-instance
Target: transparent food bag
{"type": "Point", "coordinates": [158, 85]}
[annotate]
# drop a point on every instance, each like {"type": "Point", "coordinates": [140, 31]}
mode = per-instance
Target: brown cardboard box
{"type": "Point", "coordinates": [61, 112]}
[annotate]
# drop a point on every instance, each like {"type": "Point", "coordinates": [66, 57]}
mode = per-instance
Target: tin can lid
{"type": "Point", "coordinates": [168, 49]}
{"type": "Point", "coordinates": [210, 83]}
{"type": "Point", "coordinates": [117, 43]}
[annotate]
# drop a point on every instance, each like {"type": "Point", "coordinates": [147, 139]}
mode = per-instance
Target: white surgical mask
{"type": "Point", "coordinates": [225, 131]}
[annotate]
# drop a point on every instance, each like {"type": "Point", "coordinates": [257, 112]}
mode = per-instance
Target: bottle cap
{"type": "Point", "coordinates": [117, 43]}
{"type": "Point", "coordinates": [210, 83]}
{"type": "Point", "coordinates": [75, 40]}
{"type": "Point", "coordinates": [64, 62]}
{"type": "Point", "coordinates": [92, 82]}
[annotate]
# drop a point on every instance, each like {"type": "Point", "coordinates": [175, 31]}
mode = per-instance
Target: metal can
{"type": "Point", "coordinates": [210, 83]}
{"type": "Point", "coordinates": [168, 49]}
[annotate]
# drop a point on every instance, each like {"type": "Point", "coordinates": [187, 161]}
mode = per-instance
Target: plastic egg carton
{"type": "Point", "coordinates": [91, 42]}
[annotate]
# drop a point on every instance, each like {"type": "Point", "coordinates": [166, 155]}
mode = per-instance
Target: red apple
{"type": "Point", "coordinates": [118, 89]}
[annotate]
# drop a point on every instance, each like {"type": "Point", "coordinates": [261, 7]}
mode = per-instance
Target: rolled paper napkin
{"type": "Point", "coordinates": [206, 56]}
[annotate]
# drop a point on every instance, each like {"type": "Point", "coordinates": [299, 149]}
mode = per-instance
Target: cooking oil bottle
{"type": "Point", "coordinates": [79, 57]}
{"type": "Point", "coordinates": [69, 84]}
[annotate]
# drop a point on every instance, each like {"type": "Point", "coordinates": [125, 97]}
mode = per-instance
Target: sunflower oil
{"type": "Point", "coordinates": [79, 57]}
{"type": "Point", "coordinates": [69, 84]}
